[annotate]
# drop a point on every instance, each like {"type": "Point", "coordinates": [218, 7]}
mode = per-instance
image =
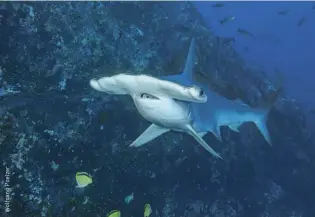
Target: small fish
{"type": "Point", "coordinates": [226, 19]}
{"type": "Point", "coordinates": [283, 12]}
{"type": "Point", "coordinates": [147, 210]}
{"type": "Point", "coordinates": [313, 7]}
{"type": "Point", "coordinates": [226, 40]}
{"type": "Point", "coordinates": [245, 32]}
{"type": "Point", "coordinates": [54, 165]}
{"type": "Point", "coordinates": [113, 213]}
{"type": "Point", "coordinates": [301, 21]}
{"type": "Point", "coordinates": [83, 179]}
{"type": "Point", "coordinates": [217, 5]}
{"type": "Point", "coordinates": [229, 40]}
{"type": "Point", "coordinates": [129, 198]}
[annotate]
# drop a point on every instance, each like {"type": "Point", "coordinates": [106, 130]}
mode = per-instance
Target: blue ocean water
{"type": "Point", "coordinates": [280, 43]}
{"type": "Point", "coordinates": [53, 124]}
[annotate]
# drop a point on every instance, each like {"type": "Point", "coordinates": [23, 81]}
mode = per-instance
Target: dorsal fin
{"type": "Point", "coordinates": [190, 61]}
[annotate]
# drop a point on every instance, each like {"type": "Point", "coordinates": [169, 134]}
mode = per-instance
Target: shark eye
{"type": "Point", "coordinates": [147, 96]}
{"type": "Point", "coordinates": [201, 92]}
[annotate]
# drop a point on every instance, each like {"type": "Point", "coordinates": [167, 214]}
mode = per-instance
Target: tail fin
{"type": "Point", "coordinates": [261, 124]}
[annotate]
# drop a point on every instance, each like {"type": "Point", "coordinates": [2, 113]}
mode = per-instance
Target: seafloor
{"type": "Point", "coordinates": [50, 117]}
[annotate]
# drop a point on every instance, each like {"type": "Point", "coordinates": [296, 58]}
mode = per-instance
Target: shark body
{"type": "Point", "coordinates": [218, 111]}
{"type": "Point", "coordinates": [162, 102]}
{"type": "Point", "coordinates": [179, 103]}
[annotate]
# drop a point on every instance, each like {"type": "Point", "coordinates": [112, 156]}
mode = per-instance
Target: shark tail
{"type": "Point", "coordinates": [261, 124]}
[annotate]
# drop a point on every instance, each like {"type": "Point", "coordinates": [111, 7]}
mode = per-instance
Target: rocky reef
{"type": "Point", "coordinates": [52, 124]}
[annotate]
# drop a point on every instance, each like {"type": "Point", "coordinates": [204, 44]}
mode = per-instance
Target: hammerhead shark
{"type": "Point", "coordinates": [179, 103]}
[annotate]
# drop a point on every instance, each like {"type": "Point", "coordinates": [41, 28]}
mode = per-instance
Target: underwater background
{"type": "Point", "coordinates": [53, 124]}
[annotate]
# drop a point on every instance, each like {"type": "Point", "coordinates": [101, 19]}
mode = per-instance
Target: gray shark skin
{"type": "Point", "coordinates": [218, 111]}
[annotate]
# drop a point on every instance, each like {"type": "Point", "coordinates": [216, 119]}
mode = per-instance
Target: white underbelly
{"type": "Point", "coordinates": [173, 115]}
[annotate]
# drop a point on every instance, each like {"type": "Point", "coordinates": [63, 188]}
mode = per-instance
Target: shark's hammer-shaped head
{"type": "Point", "coordinates": [108, 85]}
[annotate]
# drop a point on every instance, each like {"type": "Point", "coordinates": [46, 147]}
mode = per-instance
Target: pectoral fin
{"type": "Point", "coordinates": [202, 142]}
{"type": "Point", "coordinates": [149, 134]}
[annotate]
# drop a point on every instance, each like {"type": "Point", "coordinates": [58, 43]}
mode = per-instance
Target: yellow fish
{"type": "Point", "coordinates": [83, 179]}
{"type": "Point", "coordinates": [114, 213]}
{"type": "Point", "coordinates": [147, 210]}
